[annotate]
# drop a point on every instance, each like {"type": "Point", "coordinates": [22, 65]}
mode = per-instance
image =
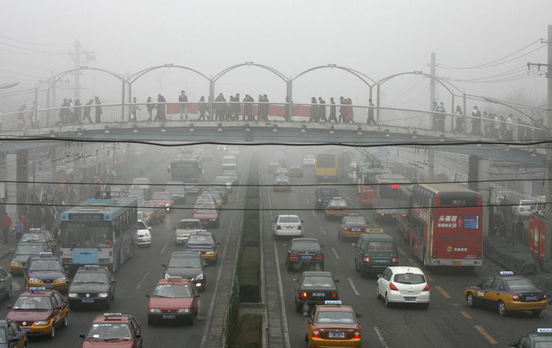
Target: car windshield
{"type": "Point", "coordinates": [172, 290]}
{"type": "Point", "coordinates": [409, 278]}
{"type": "Point", "coordinates": [33, 303]}
{"type": "Point", "coordinates": [90, 277]}
{"type": "Point", "coordinates": [189, 225]}
{"type": "Point", "coordinates": [161, 196]}
{"type": "Point", "coordinates": [109, 331]}
{"type": "Point", "coordinates": [520, 284]}
{"type": "Point", "coordinates": [289, 219]}
{"type": "Point", "coordinates": [334, 317]}
{"type": "Point", "coordinates": [46, 265]}
{"type": "Point", "coordinates": [317, 282]}
{"type": "Point", "coordinates": [200, 240]}
{"type": "Point", "coordinates": [381, 247]}
{"type": "Point", "coordinates": [142, 225]}
{"type": "Point", "coordinates": [355, 221]}
{"type": "Point", "coordinates": [29, 249]}
{"type": "Point", "coordinates": [305, 246]}
{"type": "Point", "coordinates": [184, 262]}
{"type": "Point", "coordinates": [33, 236]}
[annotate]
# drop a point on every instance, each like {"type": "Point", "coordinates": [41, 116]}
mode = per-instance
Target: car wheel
{"type": "Point", "coordinates": [298, 307]}
{"type": "Point", "coordinates": [470, 300]}
{"type": "Point", "coordinates": [356, 267]}
{"type": "Point", "coordinates": [502, 309]}
{"type": "Point", "coordinates": [215, 261]}
{"type": "Point", "coordinates": [203, 287]}
{"type": "Point", "coordinates": [289, 267]}
{"type": "Point", "coordinates": [306, 337]}
{"type": "Point", "coordinates": [536, 312]}
{"type": "Point", "coordinates": [387, 303]}
{"type": "Point", "coordinates": [52, 332]}
{"type": "Point", "coordinates": [65, 321]}
{"type": "Point", "coordinates": [377, 292]}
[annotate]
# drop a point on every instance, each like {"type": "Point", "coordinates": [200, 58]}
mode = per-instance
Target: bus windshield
{"type": "Point", "coordinates": [86, 234]}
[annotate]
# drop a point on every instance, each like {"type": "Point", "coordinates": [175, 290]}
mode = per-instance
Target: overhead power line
{"type": "Point", "coordinates": [33, 43]}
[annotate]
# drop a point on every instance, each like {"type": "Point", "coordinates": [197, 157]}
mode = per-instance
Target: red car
{"type": "Point", "coordinates": [113, 330]}
{"type": "Point", "coordinates": [164, 199]}
{"type": "Point", "coordinates": [173, 299]}
{"type": "Point", "coordinates": [40, 312]}
{"type": "Point", "coordinates": [208, 217]}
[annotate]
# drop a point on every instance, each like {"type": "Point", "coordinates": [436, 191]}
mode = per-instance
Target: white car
{"type": "Point", "coordinates": [287, 226]}
{"type": "Point", "coordinates": [524, 208]}
{"type": "Point", "coordinates": [402, 284]}
{"type": "Point", "coordinates": [308, 161]}
{"type": "Point", "coordinates": [232, 174]}
{"type": "Point", "coordinates": [143, 234]}
{"type": "Point", "coordinates": [185, 228]}
{"type": "Point", "coordinates": [142, 182]}
{"type": "Point", "coordinates": [226, 180]}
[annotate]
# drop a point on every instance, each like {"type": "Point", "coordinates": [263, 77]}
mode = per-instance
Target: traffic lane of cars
{"type": "Point", "coordinates": [421, 323]}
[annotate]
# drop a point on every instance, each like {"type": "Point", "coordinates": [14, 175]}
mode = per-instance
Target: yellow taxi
{"type": "Point", "coordinates": [336, 208]}
{"type": "Point", "coordinates": [272, 166]}
{"type": "Point", "coordinates": [281, 183]}
{"type": "Point", "coordinates": [153, 211]}
{"type": "Point", "coordinates": [507, 292]}
{"type": "Point", "coordinates": [296, 170]}
{"type": "Point", "coordinates": [205, 243]}
{"type": "Point", "coordinates": [45, 270]}
{"type": "Point", "coordinates": [353, 225]}
{"type": "Point", "coordinates": [333, 325]}
{"type": "Point", "coordinates": [40, 312]}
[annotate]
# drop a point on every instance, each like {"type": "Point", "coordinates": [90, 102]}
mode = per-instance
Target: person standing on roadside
{"type": "Point", "coordinates": [476, 121]}
{"type": "Point", "coordinates": [5, 224]}
{"type": "Point", "coordinates": [350, 113]}
{"type": "Point", "coordinates": [342, 110]}
{"type": "Point", "coordinates": [313, 110]}
{"type": "Point", "coordinates": [78, 111]}
{"type": "Point", "coordinates": [332, 111]}
{"type": "Point", "coordinates": [202, 108]}
{"type": "Point", "coordinates": [98, 110]}
{"type": "Point", "coordinates": [160, 116]}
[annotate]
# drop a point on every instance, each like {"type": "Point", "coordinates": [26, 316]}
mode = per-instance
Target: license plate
{"type": "Point", "coordinates": [531, 298]}
{"type": "Point", "coordinates": [356, 229]}
{"type": "Point", "coordinates": [457, 263]}
{"type": "Point", "coordinates": [410, 299]}
{"type": "Point", "coordinates": [169, 316]}
{"type": "Point", "coordinates": [87, 300]}
{"type": "Point", "coordinates": [318, 294]}
{"type": "Point", "coordinates": [336, 334]}
{"type": "Point", "coordinates": [48, 285]}
{"type": "Point", "coordinates": [381, 261]}
{"type": "Point", "coordinates": [306, 257]}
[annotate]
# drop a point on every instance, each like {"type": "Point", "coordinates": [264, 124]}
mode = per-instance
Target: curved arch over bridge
{"type": "Point", "coordinates": [141, 73]}
{"type": "Point", "coordinates": [357, 73]}
{"type": "Point", "coordinates": [266, 67]}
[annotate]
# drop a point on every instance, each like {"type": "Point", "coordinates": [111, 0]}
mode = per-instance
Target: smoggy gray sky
{"type": "Point", "coordinates": [377, 38]}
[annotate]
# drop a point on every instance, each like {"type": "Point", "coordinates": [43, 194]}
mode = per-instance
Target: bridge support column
{"type": "Point", "coordinates": [431, 165]}
{"type": "Point", "coordinates": [77, 182]}
{"type": "Point", "coordinates": [22, 176]}
{"type": "Point", "coordinates": [478, 170]}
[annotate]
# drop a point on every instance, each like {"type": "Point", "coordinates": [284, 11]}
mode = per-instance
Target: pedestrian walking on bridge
{"type": "Point", "coordinates": [86, 113]}
{"type": "Point", "coordinates": [98, 110]}
{"type": "Point", "coordinates": [332, 111]}
{"type": "Point", "coordinates": [371, 113]}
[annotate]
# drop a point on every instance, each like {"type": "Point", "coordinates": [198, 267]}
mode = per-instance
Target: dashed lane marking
{"type": "Point", "coordinates": [412, 261]}
{"type": "Point", "coordinates": [485, 334]}
{"type": "Point", "coordinates": [465, 314]}
{"type": "Point", "coordinates": [353, 286]}
{"type": "Point", "coordinates": [443, 292]}
{"type": "Point", "coordinates": [380, 336]}
{"type": "Point", "coordinates": [335, 253]}
{"type": "Point", "coordinates": [323, 231]}
{"type": "Point", "coordinates": [164, 248]}
{"type": "Point", "coordinates": [306, 200]}
{"type": "Point", "coordinates": [313, 213]}
{"type": "Point", "coordinates": [302, 191]}
{"type": "Point", "coordinates": [401, 251]}
{"type": "Point", "coordinates": [428, 277]}
{"type": "Point", "coordinates": [142, 281]}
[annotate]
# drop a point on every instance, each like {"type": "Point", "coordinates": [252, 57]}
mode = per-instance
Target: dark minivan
{"type": "Point", "coordinates": [323, 194]}
{"type": "Point", "coordinates": [375, 252]}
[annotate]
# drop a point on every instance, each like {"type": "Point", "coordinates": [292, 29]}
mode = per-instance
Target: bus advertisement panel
{"type": "Point", "coordinates": [332, 165]}
{"type": "Point", "coordinates": [446, 225]}
{"type": "Point", "coordinates": [101, 233]}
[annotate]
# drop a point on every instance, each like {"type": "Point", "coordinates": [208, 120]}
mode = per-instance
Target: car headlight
{"type": "Point", "coordinates": [184, 310]}
{"type": "Point", "coordinates": [199, 277]}
{"type": "Point", "coordinates": [167, 276]}
{"type": "Point", "coordinates": [210, 253]}
{"type": "Point", "coordinates": [41, 323]}
{"type": "Point", "coordinates": [103, 294]}
{"type": "Point", "coordinates": [15, 263]}
{"type": "Point", "coordinates": [154, 310]}
{"type": "Point", "coordinates": [35, 280]}
{"type": "Point", "coordinates": [60, 280]}
{"type": "Point", "coordinates": [167, 205]}
{"type": "Point", "coordinates": [72, 294]}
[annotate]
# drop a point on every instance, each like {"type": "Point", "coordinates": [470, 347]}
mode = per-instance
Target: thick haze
{"type": "Point", "coordinates": [377, 38]}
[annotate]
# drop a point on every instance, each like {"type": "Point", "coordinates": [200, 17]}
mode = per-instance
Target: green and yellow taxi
{"type": "Point", "coordinates": [24, 250]}
{"type": "Point", "coordinates": [296, 170]}
{"type": "Point", "coordinates": [45, 270]}
{"type": "Point", "coordinates": [535, 339]}
{"type": "Point", "coordinates": [206, 244]}
{"type": "Point", "coordinates": [281, 183]}
{"type": "Point", "coordinates": [507, 292]}
{"type": "Point", "coordinates": [336, 208]}
{"type": "Point", "coordinates": [40, 312]}
{"type": "Point", "coordinates": [353, 225]}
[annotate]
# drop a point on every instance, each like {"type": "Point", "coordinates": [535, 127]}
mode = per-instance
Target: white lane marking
{"type": "Point", "coordinates": [380, 336]}
{"type": "Point", "coordinates": [164, 248]}
{"type": "Point", "coordinates": [306, 200]}
{"type": "Point", "coordinates": [302, 191]}
{"type": "Point", "coordinates": [353, 286]}
{"type": "Point", "coordinates": [323, 231]}
{"type": "Point", "coordinates": [313, 213]}
{"type": "Point", "coordinates": [142, 281]}
{"type": "Point", "coordinates": [335, 253]}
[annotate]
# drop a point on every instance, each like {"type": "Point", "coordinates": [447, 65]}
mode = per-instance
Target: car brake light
{"type": "Point", "coordinates": [345, 228]}
{"type": "Point", "coordinates": [366, 259]}
{"type": "Point", "coordinates": [426, 288]}
{"type": "Point", "coordinates": [515, 297]}
{"type": "Point", "coordinates": [320, 199]}
{"type": "Point", "coordinates": [356, 334]}
{"type": "Point", "coordinates": [278, 227]}
{"type": "Point", "coordinates": [303, 294]}
{"type": "Point", "coordinates": [395, 260]}
{"type": "Point", "coordinates": [334, 294]}
{"type": "Point", "coordinates": [393, 287]}
{"type": "Point", "coordinates": [544, 296]}
{"type": "Point", "coordinates": [365, 230]}
{"type": "Point", "coordinates": [293, 256]}
{"type": "Point", "coordinates": [315, 334]}
{"type": "Point", "coordinates": [319, 256]}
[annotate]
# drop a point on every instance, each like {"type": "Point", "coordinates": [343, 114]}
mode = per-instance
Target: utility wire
{"type": "Point", "coordinates": [32, 43]}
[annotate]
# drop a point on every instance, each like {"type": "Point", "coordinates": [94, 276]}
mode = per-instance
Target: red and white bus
{"type": "Point", "coordinates": [446, 225]}
{"type": "Point", "coordinates": [367, 177]}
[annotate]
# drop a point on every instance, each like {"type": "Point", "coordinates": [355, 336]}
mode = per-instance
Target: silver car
{"type": "Point", "coordinates": [287, 226]}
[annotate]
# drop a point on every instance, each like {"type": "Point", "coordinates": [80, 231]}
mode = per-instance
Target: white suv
{"type": "Point", "coordinates": [185, 228]}
{"type": "Point", "coordinates": [287, 226]}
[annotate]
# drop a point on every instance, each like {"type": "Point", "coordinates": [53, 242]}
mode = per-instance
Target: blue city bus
{"type": "Point", "coordinates": [102, 232]}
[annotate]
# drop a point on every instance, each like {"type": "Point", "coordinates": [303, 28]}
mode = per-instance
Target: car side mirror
{"type": "Point", "coordinates": [164, 265]}
{"type": "Point", "coordinates": [295, 279]}
{"type": "Point", "coordinates": [174, 228]}
{"type": "Point", "coordinates": [67, 281]}
{"type": "Point", "coordinates": [336, 280]}
{"type": "Point", "coordinates": [113, 281]}
{"type": "Point", "coordinates": [81, 336]}
{"type": "Point", "coordinates": [305, 314]}
{"type": "Point", "coordinates": [322, 245]}
{"type": "Point", "coordinates": [205, 264]}
{"type": "Point", "coordinates": [15, 339]}
{"type": "Point", "coordinates": [197, 296]}
{"type": "Point", "coordinates": [148, 296]}
{"type": "Point", "coordinates": [379, 275]}
{"type": "Point", "coordinates": [359, 315]}
{"type": "Point", "coordinates": [302, 221]}
{"type": "Point", "coordinates": [218, 243]}
{"type": "Point", "coordinates": [9, 306]}
{"type": "Point", "coordinates": [149, 227]}
{"type": "Point", "coordinates": [353, 244]}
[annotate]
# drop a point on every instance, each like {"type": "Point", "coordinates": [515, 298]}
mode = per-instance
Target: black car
{"type": "Point", "coordinates": [92, 285]}
{"type": "Point", "coordinates": [11, 335]}
{"type": "Point", "coordinates": [305, 252]}
{"type": "Point", "coordinates": [206, 244]}
{"type": "Point", "coordinates": [188, 265]}
{"type": "Point", "coordinates": [45, 270]}
{"type": "Point", "coordinates": [314, 288]}
{"type": "Point", "coordinates": [24, 251]}
{"type": "Point", "coordinates": [222, 189]}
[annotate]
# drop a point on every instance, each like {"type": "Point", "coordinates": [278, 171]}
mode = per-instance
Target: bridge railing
{"type": "Point", "coordinates": [385, 116]}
